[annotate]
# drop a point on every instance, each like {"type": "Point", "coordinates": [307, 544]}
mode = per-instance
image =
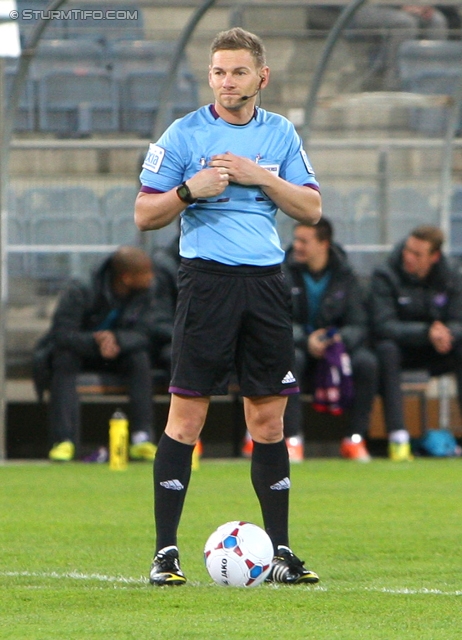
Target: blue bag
{"type": "Point", "coordinates": [440, 443]}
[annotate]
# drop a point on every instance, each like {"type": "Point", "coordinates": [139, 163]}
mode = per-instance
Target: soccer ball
{"type": "Point", "coordinates": [238, 554]}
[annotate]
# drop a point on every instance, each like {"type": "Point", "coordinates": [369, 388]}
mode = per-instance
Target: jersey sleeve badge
{"type": "Point", "coordinates": [154, 158]}
{"type": "Point", "coordinates": [308, 166]}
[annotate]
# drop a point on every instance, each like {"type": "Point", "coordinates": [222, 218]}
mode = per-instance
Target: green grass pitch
{"type": "Point", "coordinates": [76, 543]}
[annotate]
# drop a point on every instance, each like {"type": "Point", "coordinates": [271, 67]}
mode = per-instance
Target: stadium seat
{"type": "Point", "coordinates": [417, 57]}
{"type": "Point", "coordinates": [124, 231]}
{"type": "Point", "coordinates": [139, 100]}
{"type": "Point", "coordinates": [119, 202]}
{"type": "Point", "coordinates": [455, 234]}
{"type": "Point", "coordinates": [363, 211]}
{"type": "Point", "coordinates": [117, 206]}
{"type": "Point", "coordinates": [456, 200]}
{"type": "Point", "coordinates": [431, 67]}
{"type": "Point", "coordinates": [106, 22]}
{"type": "Point", "coordinates": [66, 230]}
{"type": "Point", "coordinates": [334, 208]}
{"type": "Point", "coordinates": [25, 114]}
{"type": "Point", "coordinates": [41, 205]}
{"type": "Point", "coordinates": [59, 201]}
{"type": "Point", "coordinates": [434, 121]}
{"type": "Point", "coordinates": [285, 226]}
{"type": "Point", "coordinates": [409, 208]}
{"type": "Point", "coordinates": [16, 231]}
{"type": "Point", "coordinates": [140, 67]}
{"type": "Point", "coordinates": [126, 56]}
{"type": "Point", "coordinates": [16, 234]}
{"type": "Point", "coordinates": [50, 230]}
{"type": "Point", "coordinates": [333, 201]}
{"type": "Point", "coordinates": [14, 203]}
{"type": "Point", "coordinates": [185, 95]}
{"type": "Point", "coordinates": [361, 222]}
{"type": "Point", "coordinates": [78, 103]}
{"type": "Point", "coordinates": [76, 54]}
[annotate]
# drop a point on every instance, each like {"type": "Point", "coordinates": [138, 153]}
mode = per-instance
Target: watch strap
{"type": "Point", "coordinates": [184, 193]}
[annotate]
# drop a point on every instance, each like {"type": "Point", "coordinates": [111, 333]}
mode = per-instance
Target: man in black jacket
{"type": "Point", "coordinates": [327, 298]}
{"type": "Point", "coordinates": [116, 324]}
{"type": "Point", "coordinates": [416, 304]}
{"type": "Point", "coordinates": [167, 262]}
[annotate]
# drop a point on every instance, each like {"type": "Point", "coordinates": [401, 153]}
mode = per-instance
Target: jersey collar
{"type": "Point", "coordinates": [215, 115]}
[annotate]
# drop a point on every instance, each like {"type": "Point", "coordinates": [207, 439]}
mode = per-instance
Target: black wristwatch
{"type": "Point", "coordinates": [184, 194]}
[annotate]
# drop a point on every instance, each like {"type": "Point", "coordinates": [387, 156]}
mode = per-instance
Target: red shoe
{"type": "Point", "coordinates": [247, 447]}
{"type": "Point", "coordinates": [295, 448]}
{"type": "Point", "coordinates": [354, 449]}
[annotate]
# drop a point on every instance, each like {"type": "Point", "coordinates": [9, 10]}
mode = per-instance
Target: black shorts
{"type": "Point", "coordinates": [232, 320]}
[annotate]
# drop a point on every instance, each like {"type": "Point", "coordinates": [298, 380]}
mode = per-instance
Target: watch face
{"type": "Point", "coordinates": [184, 192]}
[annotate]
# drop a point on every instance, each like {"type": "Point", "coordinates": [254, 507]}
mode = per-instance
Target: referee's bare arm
{"type": "Point", "coordinates": [299, 202]}
{"type": "Point", "coordinates": [157, 210]}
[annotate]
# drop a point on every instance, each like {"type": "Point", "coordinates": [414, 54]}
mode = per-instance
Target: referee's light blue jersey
{"type": "Point", "coordinates": [238, 226]}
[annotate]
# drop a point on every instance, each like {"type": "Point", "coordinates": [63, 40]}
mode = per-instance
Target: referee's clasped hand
{"type": "Point", "coordinates": [209, 182]}
{"type": "Point", "coordinates": [239, 169]}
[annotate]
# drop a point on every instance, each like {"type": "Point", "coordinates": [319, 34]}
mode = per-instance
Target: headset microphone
{"type": "Point", "coordinates": [252, 95]}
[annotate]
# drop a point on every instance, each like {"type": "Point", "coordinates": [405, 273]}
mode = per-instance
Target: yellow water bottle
{"type": "Point", "coordinates": [118, 441]}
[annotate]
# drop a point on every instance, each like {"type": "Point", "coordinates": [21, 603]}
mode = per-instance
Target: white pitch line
{"type": "Point", "coordinates": [407, 591]}
{"type": "Point", "coordinates": [74, 575]}
{"type": "Point", "coordinates": [77, 575]}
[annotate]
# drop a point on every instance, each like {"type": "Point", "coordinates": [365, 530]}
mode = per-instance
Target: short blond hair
{"type": "Point", "coordinates": [235, 39]}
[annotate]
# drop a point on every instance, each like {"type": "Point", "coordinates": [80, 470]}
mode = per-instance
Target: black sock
{"type": "Point", "coordinates": [172, 471]}
{"type": "Point", "coordinates": [270, 473]}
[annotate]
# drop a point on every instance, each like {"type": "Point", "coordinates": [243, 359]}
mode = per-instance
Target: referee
{"type": "Point", "coordinates": [226, 169]}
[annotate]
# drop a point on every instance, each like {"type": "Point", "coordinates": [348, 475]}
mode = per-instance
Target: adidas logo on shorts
{"type": "Point", "coordinates": [175, 485]}
{"type": "Point", "coordinates": [288, 378]}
